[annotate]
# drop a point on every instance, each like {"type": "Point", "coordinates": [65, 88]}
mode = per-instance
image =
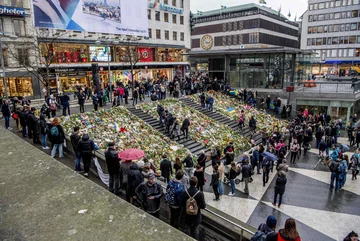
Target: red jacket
{"type": "Point", "coordinates": [280, 238]}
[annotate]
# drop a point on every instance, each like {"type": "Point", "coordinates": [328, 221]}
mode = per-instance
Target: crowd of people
{"type": "Point", "coordinates": [185, 178]}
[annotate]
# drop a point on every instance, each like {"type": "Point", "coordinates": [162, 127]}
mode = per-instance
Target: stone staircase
{"type": "Point", "coordinates": [223, 120]}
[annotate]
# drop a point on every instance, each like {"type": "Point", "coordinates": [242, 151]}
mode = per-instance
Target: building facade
{"type": "Point", "coordinates": [250, 46]}
{"type": "Point", "coordinates": [161, 54]}
{"type": "Point", "coordinates": [332, 30]}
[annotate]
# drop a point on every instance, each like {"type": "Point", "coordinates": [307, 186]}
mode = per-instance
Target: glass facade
{"type": "Point", "coordinates": [17, 86]}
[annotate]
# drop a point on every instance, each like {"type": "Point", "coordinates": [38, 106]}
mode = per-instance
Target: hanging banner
{"type": "Point", "coordinates": [146, 54]}
{"type": "Point", "coordinates": [107, 16]}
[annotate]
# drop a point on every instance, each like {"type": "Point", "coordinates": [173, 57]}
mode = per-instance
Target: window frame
{"type": "Point", "coordinates": [19, 21]}
{"type": "Point", "coordinates": [166, 19]}
{"type": "Point", "coordinates": [174, 18]}
{"type": "Point", "coordinates": [174, 35]}
{"type": "Point", "coordinates": [182, 36]}
{"type": "Point", "coordinates": [156, 33]}
{"type": "Point", "coordinates": [167, 34]}
{"type": "Point", "coordinates": [157, 16]}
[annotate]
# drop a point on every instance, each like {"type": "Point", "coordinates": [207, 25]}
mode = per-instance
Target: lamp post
{"type": "Point", "coordinates": [13, 37]}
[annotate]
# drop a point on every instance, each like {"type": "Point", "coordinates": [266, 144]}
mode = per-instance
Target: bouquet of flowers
{"type": "Point", "coordinates": [202, 128]}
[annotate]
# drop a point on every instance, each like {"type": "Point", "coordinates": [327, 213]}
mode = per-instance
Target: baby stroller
{"type": "Point", "coordinates": [227, 174]}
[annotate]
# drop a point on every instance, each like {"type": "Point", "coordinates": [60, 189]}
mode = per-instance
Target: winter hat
{"type": "Point", "coordinates": [111, 144]}
{"type": "Point", "coordinates": [271, 221]}
{"type": "Point", "coordinates": [151, 175]}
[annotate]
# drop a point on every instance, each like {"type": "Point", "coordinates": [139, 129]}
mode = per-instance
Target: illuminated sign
{"type": "Point", "coordinates": [171, 9]}
{"type": "Point", "coordinates": [10, 11]}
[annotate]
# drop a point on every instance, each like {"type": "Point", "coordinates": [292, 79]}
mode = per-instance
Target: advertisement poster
{"type": "Point", "coordinates": [100, 54]}
{"type": "Point", "coordinates": [104, 16]}
{"type": "Point", "coordinates": [146, 54]}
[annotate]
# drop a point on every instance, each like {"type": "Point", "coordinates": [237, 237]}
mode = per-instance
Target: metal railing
{"type": "Point", "coordinates": [344, 87]}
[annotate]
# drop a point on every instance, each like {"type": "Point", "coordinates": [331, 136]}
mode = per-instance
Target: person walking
{"type": "Point", "coordinates": [266, 164]}
{"type": "Point", "coordinates": [199, 174]}
{"type": "Point", "coordinates": [165, 168]}
{"type": "Point", "coordinates": [185, 127]}
{"type": "Point", "coordinates": [246, 175]}
{"type": "Point", "coordinates": [65, 104]}
{"type": "Point", "coordinates": [53, 105]}
{"type": "Point", "coordinates": [266, 230]}
{"type": "Point", "coordinates": [177, 165]}
{"type": "Point", "coordinates": [279, 187]}
{"type": "Point", "coordinates": [215, 182]}
{"type": "Point", "coordinates": [173, 197]}
{"type": "Point", "coordinates": [32, 121]}
{"type": "Point", "coordinates": [161, 112]}
{"type": "Point", "coordinates": [234, 172]}
{"type": "Point", "coordinates": [43, 132]}
{"type": "Point", "coordinates": [75, 138]}
{"type": "Point", "coordinates": [355, 164]}
{"type": "Point", "coordinates": [5, 110]}
{"type": "Point", "coordinates": [255, 160]}
{"type": "Point", "coordinates": [202, 159]}
{"type": "Point", "coordinates": [113, 166]}
{"type": "Point", "coordinates": [188, 165]}
{"type": "Point", "coordinates": [193, 216]}
{"type": "Point", "coordinates": [294, 149]}
{"type": "Point", "coordinates": [81, 100]}
{"type": "Point", "coordinates": [252, 125]}
{"type": "Point", "coordinates": [135, 96]}
{"type": "Point", "coordinates": [175, 130]}
{"type": "Point", "coordinates": [57, 137]}
{"type": "Point", "coordinates": [148, 195]}
{"type": "Point", "coordinates": [343, 169]}
{"type": "Point", "coordinates": [334, 169]}
{"type": "Point", "coordinates": [86, 147]}
{"type": "Point", "coordinates": [289, 233]}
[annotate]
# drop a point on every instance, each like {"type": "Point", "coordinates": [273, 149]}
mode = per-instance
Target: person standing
{"type": "Point", "coordinates": [246, 175]}
{"type": "Point", "coordinates": [32, 121]}
{"type": "Point", "coordinates": [53, 105]}
{"type": "Point", "coordinates": [134, 179]}
{"type": "Point", "coordinates": [165, 168]}
{"type": "Point", "coordinates": [221, 174]}
{"type": "Point", "coordinates": [173, 195]}
{"type": "Point", "coordinates": [185, 127]}
{"type": "Point", "coordinates": [199, 174]}
{"type": "Point", "coordinates": [175, 130]}
{"type": "Point", "coordinates": [334, 169]}
{"type": "Point", "coordinates": [193, 213]}
{"type": "Point", "coordinates": [343, 169]}
{"type": "Point", "coordinates": [202, 159]}
{"type": "Point", "coordinates": [355, 164]}
{"type": "Point", "coordinates": [65, 103]}
{"type": "Point", "coordinates": [294, 148]}
{"type": "Point", "coordinates": [255, 160]}
{"type": "Point", "coordinates": [148, 195]}
{"type": "Point", "coordinates": [135, 96]}
{"type": "Point", "coordinates": [177, 165]}
{"type": "Point", "coordinates": [279, 187]}
{"type": "Point", "coordinates": [289, 233]}
{"type": "Point", "coordinates": [5, 110]}
{"type": "Point", "coordinates": [113, 166]}
{"type": "Point", "coordinates": [161, 112]}
{"type": "Point", "coordinates": [23, 122]}
{"type": "Point", "coordinates": [267, 229]}
{"type": "Point", "coordinates": [215, 182]}
{"type": "Point", "coordinates": [75, 138]}
{"type": "Point", "coordinates": [234, 172]}
{"type": "Point", "coordinates": [86, 147]}
{"type": "Point", "coordinates": [252, 125]}
{"type": "Point", "coordinates": [43, 132]}
{"type": "Point", "coordinates": [126, 95]}
{"type": "Point", "coordinates": [81, 100]}
{"type": "Point", "coordinates": [100, 96]}
{"type": "Point", "coordinates": [188, 165]}
{"type": "Point", "coordinates": [57, 137]}
{"type": "Point", "coordinates": [95, 100]}
{"type": "Point", "coordinates": [266, 164]}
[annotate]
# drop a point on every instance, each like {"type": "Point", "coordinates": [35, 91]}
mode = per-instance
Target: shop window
{"type": "Point", "coordinates": [23, 56]}
{"type": "Point", "coordinates": [357, 52]}
{"type": "Point", "coordinates": [353, 27]}
{"type": "Point", "coordinates": [174, 3]}
{"type": "Point", "coordinates": [342, 27]}
{"type": "Point", "coordinates": [174, 18]}
{"type": "Point", "coordinates": [157, 15]}
{"type": "Point", "coordinates": [149, 14]}
{"type": "Point", "coordinates": [337, 16]}
{"type": "Point", "coordinates": [18, 86]}
{"type": "Point", "coordinates": [150, 33]}
{"type": "Point", "coordinates": [166, 34]}
{"type": "Point", "coordinates": [355, 13]}
{"type": "Point", "coordinates": [326, 4]}
{"type": "Point", "coordinates": [321, 5]}
{"type": "Point", "coordinates": [352, 39]}
{"type": "Point", "coordinates": [182, 20]}
{"type": "Point", "coordinates": [311, 7]}
{"type": "Point", "coordinates": [166, 17]}
{"type": "Point", "coordinates": [66, 53]}
{"type": "Point", "coordinates": [158, 34]}
{"type": "Point", "coordinates": [5, 54]}
{"type": "Point", "coordinates": [19, 27]}
{"type": "Point", "coordinates": [182, 37]}
{"type": "Point", "coordinates": [174, 35]}
{"type": "Point", "coordinates": [309, 42]}
{"type": "Point", "coordinates": [335, 40]}
{"type": "Point", "coordinates": [338, 3]}
{"type": "Point", "coordinates": [320, 29]}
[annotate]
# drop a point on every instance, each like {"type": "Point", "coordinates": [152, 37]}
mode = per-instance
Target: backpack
{"type": "Point", "coordinates": [342, 168]}
{"type": "Point", "coordinates": [334, 166]}
{"type": "Point", "coordinates": [173, 193]}
{"type": "Point", "coordinates": [54, 131]}
{"type": "Point", "coordinates": [191, 205]}
{"type": "Point", "coordinates": [259, 236]}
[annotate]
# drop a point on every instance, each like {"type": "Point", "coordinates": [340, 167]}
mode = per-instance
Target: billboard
{"type": "Point", "coordinates": [100, 54]}
{"type": "Point", "coordinates": [104, 16]}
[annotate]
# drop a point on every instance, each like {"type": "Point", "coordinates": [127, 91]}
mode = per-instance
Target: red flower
{"type": "Point", "coordinates": [122, 129]}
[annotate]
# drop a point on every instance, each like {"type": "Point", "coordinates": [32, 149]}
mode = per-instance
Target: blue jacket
{"type": "Point", "coordinates": [65, 100]}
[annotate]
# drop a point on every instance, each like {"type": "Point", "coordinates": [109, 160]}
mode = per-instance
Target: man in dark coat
{"type": "Point", "coordinates": [65, 104]}
{"type": "Point", "coordinates": [75, 138]}
{"type": "Point", "coordinates": [81, 98]}
{"type": "Point", "coordinates": [185, 127]}
{"type": "Point", "coordinates": [246, 175]}
{"type": "Point", "coordinates": [5, 110]}
{"type": "Point", "coordinates": [165, 168]}
{"type": "Point", "coordinates": [193, 221]}
{"type": "Point", "coordinates": [134, 179]}
{"type": "Point", "coordinates": [86, 147]}
{"type": "Point", "coordinates": [268, 100]}
{"type": "Point", "coordinates": [268, 228]}
{"type": "Point", "coordinates": [161, 111]}
{"type": "Point", "coordinates": [113, 166]}
{"type": "Point", "coordinates": [32, 125]}
{"type": "Point", "coordinates": [255, 160]}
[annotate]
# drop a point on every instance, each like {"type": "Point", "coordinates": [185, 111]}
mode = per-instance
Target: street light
{"type": "Point", "coordinates": [12, 37]}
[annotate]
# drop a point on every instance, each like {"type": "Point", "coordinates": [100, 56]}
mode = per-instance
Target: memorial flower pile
{"type": "Point", "coordinates": [126, 130]}
{"type": "Point", "coordinates": [202, 128]}
{"type": "Point", "coordinates": [231, 107]}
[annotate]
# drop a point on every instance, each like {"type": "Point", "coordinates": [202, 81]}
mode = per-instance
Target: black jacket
{"type": "Point", "coordinates": [280, 185]}
{"type": "Point", "coordinates": [214, 179]}
{"type": "Point", "coordinates": [5, 109]}
{"type": "Point", "coordinates": [81, 98]}
{"type": "Point", "coordinates": [193, 220]}
{"type": "Point", "coordinates": [200, 176]}
{"type": "Point", "coordinates": [86, 145]}
{"type": "Point", "coordinates": [185, 124]}
{"type": "Point", "coordinates": [60, 138]}
{"type": "Point", "coordinates": [43, 125]}
{"type": "Point", "coordinates": [271, 234]}
{"type": "Point", "coordinates": [188, 162]}
{"type": "Point", "coordinates": [31, 120]}
{"type": "Point", "coordinates": [112, 162]}
{"type": "Point", "coordinates": [134, 179]}
{"type": "Point", "coordinates": [75, 139]}
{"type": "Point", "coordinates": [233, 174]}
{"type": "Point", "coordinates": [201, 160]}
{"type": "Point", "coordinates": [246, 171]}
{"type": "Point", "coordinates": [143, 191]}
{"type": "Point", "coordinates": [165, 168]}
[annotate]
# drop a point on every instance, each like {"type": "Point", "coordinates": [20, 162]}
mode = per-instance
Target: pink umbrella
{"type": "Point", "coordinates": [131, 154]}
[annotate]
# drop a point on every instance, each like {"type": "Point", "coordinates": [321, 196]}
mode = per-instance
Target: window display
{"type": "Point", "coordinates": [170, 55]}
{"type": "Point", "coordinates": [66, 53]}
{"type": "Point", "coordinates": [17, 86]}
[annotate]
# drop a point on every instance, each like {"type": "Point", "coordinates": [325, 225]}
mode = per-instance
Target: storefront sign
{"type": "Point", "coordinates": [207, 42]}
{"type": "Point", "coordinates": [152, 5]}
{"type": "Point", "coordinates": [10, 11]}
{"type": "Point", "coordinates": [171, 9]}
{"type": "Point", "coordinates": [146, 54]}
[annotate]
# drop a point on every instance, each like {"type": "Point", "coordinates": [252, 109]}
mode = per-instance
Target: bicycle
{"type": "Point", "coordinates": [322, 158]}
